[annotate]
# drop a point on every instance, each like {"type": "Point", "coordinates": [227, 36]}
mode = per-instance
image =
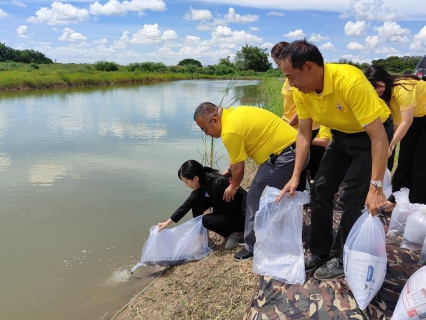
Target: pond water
{"type": "Point", "coordinates": [84, 174]}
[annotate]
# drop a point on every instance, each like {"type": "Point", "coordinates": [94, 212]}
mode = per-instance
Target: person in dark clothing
{"type": "Point", "coordinates": [208, 185]}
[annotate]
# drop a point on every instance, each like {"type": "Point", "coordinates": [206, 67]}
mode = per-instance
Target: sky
{"type": "Point", "coordinates": [128, 31]}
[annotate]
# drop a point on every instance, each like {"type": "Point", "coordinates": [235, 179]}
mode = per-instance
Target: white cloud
{"type": "Point", "coordinates": [101, 41]}
{"type": "Point", "coordinates": [295, 34]}
{"type": "Point", "coordinates": [169, 35]}
{"type": "Point", "coordinates": [355, 46]}
{"type": "Point", "coordinates": [392, 32]}
{"type": "Point", "coordinates": [117, 8]}
{"type": "Point", "coordinates": [372, 41]}
{"type": "Point", "coordinates": [194, 14]}
{"type": "Point", "coordinates": [60, 14]}
{"type": "Point", "coordinates": [18, 3]}
{"type": "Point", "coordinates": [317, 38]}
{"type": "Point", "coordinates": [22, 31]}
{"type": "Point", "coordinates": [254, 29]}
{"type": "Point", "coordinates": [382, 50]}
{"type": "Point", "coordinates": [232, 17]}
{"type": "Point", "coordinates": [419, 43]}
{"type": "Point", "coordinates": [327, 46]}
{"type": "Point", "coordinates": [71, 35]}
{"type": "Point", "coordinates": [373, 11]}
{"type": "Point", "coordinates": [275, 13]}
{"type": "Point", "coordinates": [148, 34]}
{"type": "Point", "coordinates": [3, 13]}
{"type": "Point", "coordinates": [223, 36]}
{"type": "Point", "coordinates": [355, 28]}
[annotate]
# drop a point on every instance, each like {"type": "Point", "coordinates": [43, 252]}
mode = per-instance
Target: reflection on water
{"type": "Point", "coordinates": [84, 174]}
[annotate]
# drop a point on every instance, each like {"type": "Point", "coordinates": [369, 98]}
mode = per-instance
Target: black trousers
{"type": "Point", "coordinates": [345, 167]}
{"type": "Point", "coordinates": [411, 170]}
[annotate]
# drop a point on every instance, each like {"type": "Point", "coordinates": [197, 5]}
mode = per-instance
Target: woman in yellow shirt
{"type": "Point", "coordinates": [406, 97]}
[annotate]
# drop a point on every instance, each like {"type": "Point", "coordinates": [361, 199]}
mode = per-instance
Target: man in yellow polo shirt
{"type": "Point", "coordinates": [256, 133]}
{"type": "Point", "coordinates": [339, 97]}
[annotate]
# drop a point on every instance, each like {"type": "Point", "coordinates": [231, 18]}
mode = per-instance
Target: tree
{"type": "Point", "coordinates": [252, 58]}
{"type": "Point", "coordinates": [25, 56]}
{"type": "Point", "coordinates": [186, 62]}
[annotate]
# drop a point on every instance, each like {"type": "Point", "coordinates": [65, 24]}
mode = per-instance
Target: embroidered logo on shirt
{"type": "Point", "coordinates": [340, 108]}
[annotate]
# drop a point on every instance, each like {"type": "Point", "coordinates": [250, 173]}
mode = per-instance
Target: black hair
{"type": "Point", "coordinates": [205, 109]}
{"type": "Point", "coordinates": [277, 49]}
{"type": "Point", "coordinates": [209, 178]}
{"type": "Point", "coordinates": [376, 73]}
{"type": "Point", "coordinates": [301, 51]}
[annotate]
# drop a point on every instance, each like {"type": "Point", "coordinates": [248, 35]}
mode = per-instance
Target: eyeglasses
{"type": "Point", "coordinates": [205, 128]}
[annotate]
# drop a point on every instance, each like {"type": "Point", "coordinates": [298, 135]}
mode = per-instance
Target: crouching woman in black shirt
{"type": "Point", "coordinates": [209, 185]}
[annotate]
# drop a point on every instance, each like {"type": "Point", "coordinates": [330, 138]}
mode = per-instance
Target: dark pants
{"type": "Point", "coordinates": [345, 167]}
{"type": "Point", "coordinates": [224, 224]}
{"type": "Point", "coordinates": [274, 172]}
{"type": "Point", "coordinates": [315, 156]}
{"type": "Point", "coordinates": [411, 170]}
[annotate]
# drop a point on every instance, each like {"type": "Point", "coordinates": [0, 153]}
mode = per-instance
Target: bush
{"type": "Point", "coordinates": [106, 66]}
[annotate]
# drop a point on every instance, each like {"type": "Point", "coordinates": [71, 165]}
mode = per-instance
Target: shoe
{"type": "Point", "coordinates": [242, 242]}
{"type": "Point", "coordinates": [332, 269]}
{"type": "Point", "coordinates": [211, 244]}
{"type": "Point", "coordinates": [243, 254]}
{"type": "Point", "coordinates": [233, 240]}
{"type": "Point", "coordinates": [312, 262]}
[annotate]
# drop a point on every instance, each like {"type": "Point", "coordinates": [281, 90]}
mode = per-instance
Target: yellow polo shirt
{"type": "Point", "coordinates": [289, 109]}
{"type": "Point", "coordinates": [408, 94]}
{"type": "Point", "coordinates": [254, 132]}
{"type": "Point", "coordinates": [347, 103]}
{"type": "Point", "coordinates": [324, 133]}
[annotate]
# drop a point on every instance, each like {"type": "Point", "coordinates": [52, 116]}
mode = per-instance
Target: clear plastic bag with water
{"type": "Point", "coordinates": [387, 183]}
{"type": "Point", "coordinates": [365, 259]}
{"type": "Point", "coordinates": [400, 213]}
{"type": "Point", "coordinates": [412, 300]}
{"type": "Point", "coordinates": [171, 247]}
{"type": "Point", "coordinates": [422, 257]}
{"type": "Point", "coordinates": [278, 251]}
{"type": "Point", "coordinates": [415, 228]}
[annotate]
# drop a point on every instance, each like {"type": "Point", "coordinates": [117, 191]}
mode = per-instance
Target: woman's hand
{"type": "Point", "coordinates": [163, 225]}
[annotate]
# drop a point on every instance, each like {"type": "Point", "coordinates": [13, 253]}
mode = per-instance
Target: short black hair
{"type": "Point", "coordinates": [301, 51]}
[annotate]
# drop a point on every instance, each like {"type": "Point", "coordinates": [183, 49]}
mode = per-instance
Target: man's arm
{"type": "Point", "coordinates": [303, 142]}
{"type": "Point", "coordinates": [376, 199]}
{"type": "Point", "coordinates": [237, 172]}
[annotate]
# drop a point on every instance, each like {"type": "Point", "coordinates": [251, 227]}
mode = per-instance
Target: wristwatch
{"type": "Point", "coordinates": [378, 184]}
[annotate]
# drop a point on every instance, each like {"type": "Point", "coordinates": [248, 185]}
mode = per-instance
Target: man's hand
{"type": "Point", "coordinates": [376, 200]}
{"type": "Point", "coordinates": [289, 187]}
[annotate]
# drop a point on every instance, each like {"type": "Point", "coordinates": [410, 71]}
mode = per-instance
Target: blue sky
{"type": "Point", "coordinates": [126, 31]}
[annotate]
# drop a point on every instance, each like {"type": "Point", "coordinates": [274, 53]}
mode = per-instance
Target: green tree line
{"type": "Point", "coordinates": [24, 56]}
{"type": "Point", "coordinates": [248, 61]}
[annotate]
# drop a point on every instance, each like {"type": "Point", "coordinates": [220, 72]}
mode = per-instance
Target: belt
{"type": "Point", "coordinates": [290, 147]}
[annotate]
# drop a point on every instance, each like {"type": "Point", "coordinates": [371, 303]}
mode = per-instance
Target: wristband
{"type": "Point", "coordinates": [230, 183]}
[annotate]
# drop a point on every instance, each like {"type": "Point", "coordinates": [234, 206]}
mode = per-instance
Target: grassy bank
{"type": "Point", "coordinates": [21, 76]}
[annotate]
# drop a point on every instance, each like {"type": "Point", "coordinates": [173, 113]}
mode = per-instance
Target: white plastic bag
{"type": "Point", "coordinates": [278, 251]}
{"type": "Point", "coordinates": [400, 213]}
{"type": "Point", "coordinates": [415, 228]}
{"type": "Point", "coordinates": [180, 244]}
{"type": "Point", "coordinates": [387, 183]}
{"type": "Point", "coordinates": [364, 258]}
{"type": "Point", "coordinates": [412, 300]}
{"type": "Point", "coordinates": [422, 258]}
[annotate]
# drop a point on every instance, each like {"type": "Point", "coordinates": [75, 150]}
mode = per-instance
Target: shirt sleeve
{"type": "Point", "coordinates": [185, 207]}
{"type": "Point", "coordinates": [235, 145]}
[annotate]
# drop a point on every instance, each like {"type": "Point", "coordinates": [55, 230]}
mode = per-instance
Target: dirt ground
{"type": "Point", "coordinates": [216, 287]}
